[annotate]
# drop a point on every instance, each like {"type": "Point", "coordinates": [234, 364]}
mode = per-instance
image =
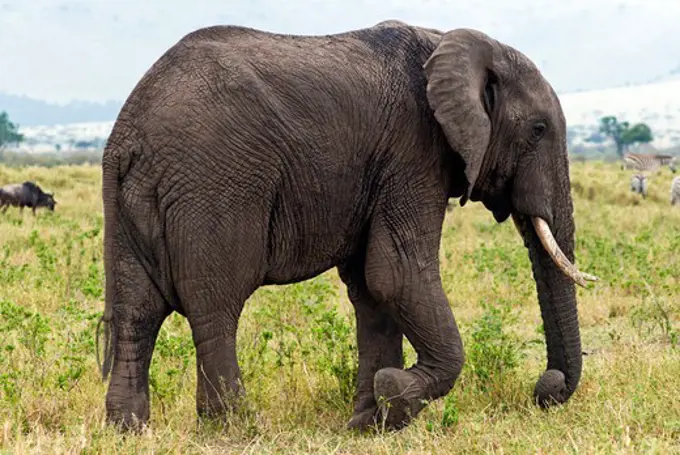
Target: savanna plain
{"type": "Point", "coordinates": [297, 347]}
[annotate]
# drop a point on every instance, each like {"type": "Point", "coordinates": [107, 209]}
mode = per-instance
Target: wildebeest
{"type": "Point", "coordinates": [27, 194]}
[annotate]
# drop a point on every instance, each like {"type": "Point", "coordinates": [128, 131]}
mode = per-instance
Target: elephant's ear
{"type": "Point", "coordinates": [458, 73]}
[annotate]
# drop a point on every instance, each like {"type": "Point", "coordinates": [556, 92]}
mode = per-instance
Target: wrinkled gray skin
{"type": "Point", "coordinates": [26, 194]}
{"type": "Point", "coordinates": [244, 158]}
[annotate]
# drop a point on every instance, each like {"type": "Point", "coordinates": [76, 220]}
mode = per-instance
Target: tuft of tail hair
{"type": "Point", "coordinates": [105, 366]}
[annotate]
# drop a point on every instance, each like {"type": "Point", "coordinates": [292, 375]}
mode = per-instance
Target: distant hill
{"type": "Point", "coordinates": [656, 103]}
{"type": "Point", "coordinates": [31, 112]}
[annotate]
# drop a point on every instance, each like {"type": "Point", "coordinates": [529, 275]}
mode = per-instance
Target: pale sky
{"type": "Point", "coordinates": [96, 50]}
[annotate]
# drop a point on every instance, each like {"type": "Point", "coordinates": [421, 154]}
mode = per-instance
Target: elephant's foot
{"type": "Point", "coordinates": [129, 413]}
{"type": "Point", "coordinates": [211, 417]}
{"type": "Point", "coordinates": [399, 394]}
{"type": "Point", "coordinates": [219, 409]}
{"type": "Point", "coordinates": [216, 411]}
{"type": "Point", "coordinates": [551, 389]}
{"type": "Point", "coordinates": [364, 420]}
{"type": "Point", "coordinates": [365, 416]}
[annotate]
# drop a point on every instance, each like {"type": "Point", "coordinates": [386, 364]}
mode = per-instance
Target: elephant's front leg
{"type": "Point", "coordinates": [220, 259]}
{"type": "Point", "coordinates": [402, 274]}
{"type": "Point", "coordinates": [379, 340]}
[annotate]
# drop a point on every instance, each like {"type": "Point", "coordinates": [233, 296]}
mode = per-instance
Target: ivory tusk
{"type": "Point", "coordinates": [556, 254]}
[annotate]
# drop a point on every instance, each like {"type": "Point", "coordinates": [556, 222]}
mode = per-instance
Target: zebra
{"type": "Point", "coordinates": [675, 190]}
{"type": "Point", "coordinates": [638, 184]}
{"type": "Point", "coordinates": [648, 162]}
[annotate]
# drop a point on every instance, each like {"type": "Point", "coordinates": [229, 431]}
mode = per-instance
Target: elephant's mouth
{"type": "Point", "coordinates": [550, 244]}
{"type": "Point", "coordinates": [499, 205]}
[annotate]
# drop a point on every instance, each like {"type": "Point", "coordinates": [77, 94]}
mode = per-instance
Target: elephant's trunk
{"type": "Point", "coordinates": [557, 299]}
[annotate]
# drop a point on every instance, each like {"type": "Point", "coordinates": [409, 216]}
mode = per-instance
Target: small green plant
{"type": "Point", "coordinates": [654, 317]}
{"type": "Point", "coordinates": [30, 328]}
{"type": "Point", "coordinates": [10, 273]}
{"type": "Point", "coordinates": [92, 285]}
{"type": "Point", "coordinates": [449, 415]}
{"type": "Point", "coordinates": [46, 255]}
{"type": "Point", "coordinates": [492, 352]}
{"type": "Point", "coordinates": [336, 349]}
{"type": "Point", "coordinates": [301, 330]}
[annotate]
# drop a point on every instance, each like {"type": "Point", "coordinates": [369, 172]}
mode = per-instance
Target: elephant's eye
{"type": "Point", "coordinates": [538, 130]}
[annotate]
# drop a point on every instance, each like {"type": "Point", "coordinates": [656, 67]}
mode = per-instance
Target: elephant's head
{"type": "Point", "coordinates": [505, 122]}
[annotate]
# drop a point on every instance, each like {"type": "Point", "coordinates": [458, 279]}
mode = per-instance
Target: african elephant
{"type": "Point", "coordinates": [245, 158]}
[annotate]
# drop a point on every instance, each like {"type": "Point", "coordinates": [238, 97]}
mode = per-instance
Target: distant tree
{"type": "Point", "coordinates": [9, 132]}
{"type": "Point", "coordinates": [82, 144]}
{"type": "Point", "coordinates": [623, 134]}
{"type": "Point", "coordinates": [610, 126]}
{"type": "Point", "coordinates": [640, 133]}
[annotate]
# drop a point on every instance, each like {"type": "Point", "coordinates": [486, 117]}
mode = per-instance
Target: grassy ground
{"type": "Point", "coordinates": [297, 346]}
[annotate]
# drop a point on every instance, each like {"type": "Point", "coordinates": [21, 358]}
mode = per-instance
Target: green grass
{"type": "Point", "coordinates": [297, 343]}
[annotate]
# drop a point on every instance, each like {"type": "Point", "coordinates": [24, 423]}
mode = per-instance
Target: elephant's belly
{"type": "Point", "coordinates": [307, 249]}
{"type": "Point", "coordinates": [300, 261]}
{"type": "Point", "coordinates": [281, 275]}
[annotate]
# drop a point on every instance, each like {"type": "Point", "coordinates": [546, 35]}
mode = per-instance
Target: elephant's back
{"type": "Point", "coordinates": [237, 78]}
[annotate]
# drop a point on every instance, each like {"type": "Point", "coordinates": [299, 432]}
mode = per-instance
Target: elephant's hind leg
{"type": "Point", "coordinates": [138, 313]}
{"type": "Point", "coordinates": [213, 316]}
{"type": "Point", "coordinates": [379, 340]}
{"type": "Point", "coordinates": [219, 263]}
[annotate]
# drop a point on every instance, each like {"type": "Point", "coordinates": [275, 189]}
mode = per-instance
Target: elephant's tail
{"type": "Point", "coordinates": [115, 161]}
{"type": "Point", "coordinates": [105, 368]}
